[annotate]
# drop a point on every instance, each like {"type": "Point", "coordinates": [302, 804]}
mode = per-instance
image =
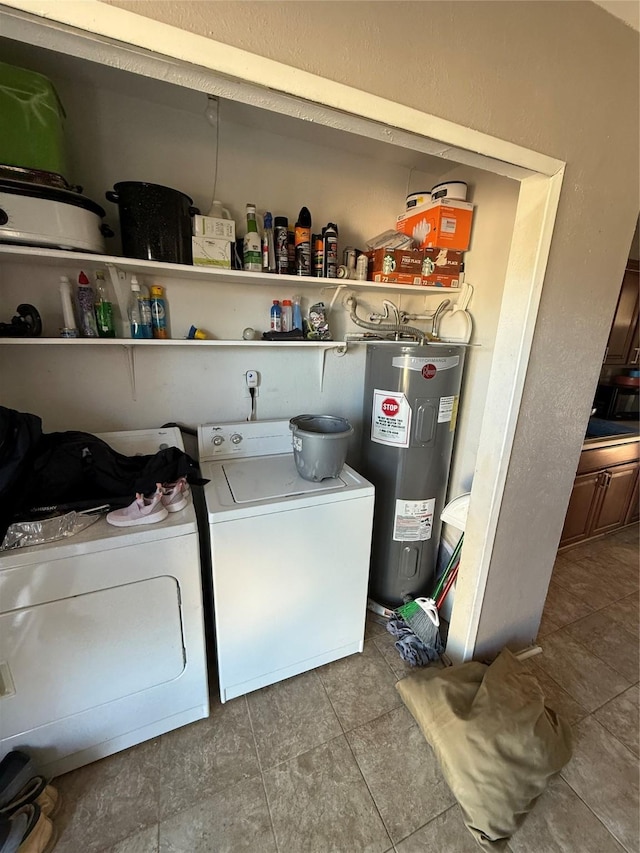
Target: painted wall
{"type": "Point", "coordinates": [557, 77]}
{"type": "Point", "coordinates": [121, 128]}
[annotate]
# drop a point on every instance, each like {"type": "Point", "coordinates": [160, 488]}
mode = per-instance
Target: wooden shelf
{"type": "Point", "coordinates": [181, 342]}
{"type": "Point", "coordinates": [63, 258]}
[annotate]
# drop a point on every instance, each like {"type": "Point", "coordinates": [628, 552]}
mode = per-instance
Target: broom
{"type": "Point", "coordinates": [421, 614]}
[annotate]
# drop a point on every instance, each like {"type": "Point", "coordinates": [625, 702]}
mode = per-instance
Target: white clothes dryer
{"type": "Point", "coordinates": [289, 557]}
{"type": "Point", "coordinates": [102, 635]}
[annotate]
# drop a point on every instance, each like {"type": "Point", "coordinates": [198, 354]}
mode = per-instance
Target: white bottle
{"type": "Point", "coordinates": [218, 211]}
{"type": "Point", "coordinates": [70, 329]}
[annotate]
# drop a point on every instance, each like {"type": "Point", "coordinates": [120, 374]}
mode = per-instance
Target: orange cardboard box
{"type": "Point", "coordinates": [396, 266]}
{"type": "Point", "coordinates": [446, 224]}
{"type": "Point", "coordinates": [437, 280]}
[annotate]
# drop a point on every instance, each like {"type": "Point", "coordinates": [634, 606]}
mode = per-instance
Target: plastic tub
{"type": "Point", "coordinates": [320, 445]}
{"type": "Point", "coordinates": [32, 121]}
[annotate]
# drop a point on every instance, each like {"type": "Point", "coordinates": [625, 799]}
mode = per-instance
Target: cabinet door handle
{"type": "Point", "coordinates": [637, 354]}
{"type": "Point", "coordinates": [607, 479]}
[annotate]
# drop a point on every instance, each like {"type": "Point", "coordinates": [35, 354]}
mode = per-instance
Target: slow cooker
{"type": "Point", "coordinates": [35, 214]}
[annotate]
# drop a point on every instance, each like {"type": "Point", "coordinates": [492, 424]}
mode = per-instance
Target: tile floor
{"type": "Point", "coordinates": [332, 761]}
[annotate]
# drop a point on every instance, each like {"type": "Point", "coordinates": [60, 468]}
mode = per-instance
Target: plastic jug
{"type": "Point", "coordinates": [218, 211]}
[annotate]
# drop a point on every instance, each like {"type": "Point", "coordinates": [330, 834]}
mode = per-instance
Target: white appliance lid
{"type": "Point", "coordinates": [266, 478]}
{"type": "Point", "coordinates": [144, 442]}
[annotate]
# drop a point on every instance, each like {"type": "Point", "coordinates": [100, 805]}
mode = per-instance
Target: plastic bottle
{"type": "Point", "coordinates": [86, 298]}
{"type": "Point", "coordinates": [69, 330]}
{"type": "Point", "coordinates": [159, 312]}
{"type": "Point", "coordinates": [251, 244]}
{"type": "Point", "coordinates": [218, 211]}
{"type": "Point", "coordinates": [303, 242]}
{"type": "Point", "coordinates": [104, 309]}
{"type": "Point", "coordinates": [268, 249]}
{"type": "Point", "coordinates": [287, 315]}
{"type": "Point", "coordinates": [276, 316]}
{"type": "Point", "coordinates": [133, 311]}
{"type": "Point", "coordinates": [280, 230]}
{"type": "Point", "coordinates": [330, 250]}
{"type": "Point", "coordinates": [297, 313]}
{"type": "Point", "coordinates": [145, 309]}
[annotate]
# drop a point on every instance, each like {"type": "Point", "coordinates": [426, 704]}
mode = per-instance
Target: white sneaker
{"type": "Point", "coordinates": [174, 495]}
{"type": "Point", "coordinates": [141, 511]}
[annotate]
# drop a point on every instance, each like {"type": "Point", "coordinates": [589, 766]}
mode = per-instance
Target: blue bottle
{"type": "Point", "coordinates": [276, 316]}
{"type": "Point", "coordinates": [297, 313]}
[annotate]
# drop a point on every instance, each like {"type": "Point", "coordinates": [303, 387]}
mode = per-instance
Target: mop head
{"type": "Point", "coordinates": [421, 616]}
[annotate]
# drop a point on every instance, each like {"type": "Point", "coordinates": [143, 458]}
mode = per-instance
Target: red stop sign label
{"type": "Point", "coordinates": [429, 371]}
{"type": "Point", "coordinates": [390, 407]}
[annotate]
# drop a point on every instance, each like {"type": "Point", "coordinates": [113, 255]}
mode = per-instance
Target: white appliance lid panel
{"type": "Point", "coordinates": [267, 478]}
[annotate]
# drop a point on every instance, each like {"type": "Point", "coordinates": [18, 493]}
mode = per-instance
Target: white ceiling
{"type": "Point", "coordinates": [626, 10]}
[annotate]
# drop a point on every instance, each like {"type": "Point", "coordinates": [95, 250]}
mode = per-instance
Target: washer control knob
{"type": "Point", "coordinates": [236, 438]}
{"type": "Point", "coordinates": [218, 440]}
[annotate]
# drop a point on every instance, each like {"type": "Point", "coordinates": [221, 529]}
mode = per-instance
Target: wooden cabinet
{"type": "Point", "coordinates": [605, 491]}
{"type": "Point", "coordinates": [622, 347]}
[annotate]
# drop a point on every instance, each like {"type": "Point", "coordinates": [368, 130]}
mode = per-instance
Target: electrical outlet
{"type": "Point", "coordinates": [252, 379]}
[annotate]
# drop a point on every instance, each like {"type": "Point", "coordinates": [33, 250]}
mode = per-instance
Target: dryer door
{"type": "Point", "coordinates": [63, 657]}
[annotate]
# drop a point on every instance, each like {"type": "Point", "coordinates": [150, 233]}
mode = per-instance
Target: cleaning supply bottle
{"type": "Point", "coordinates": [330, 250]}
{"type": "Point", "coordinates": [276, 316]}
{"type": "Point", "coordinates": [303, 242]}
{"type": "Point", "coordinates": [145, 309]}
{"type": "Point", "coordinates": [103, 308]}
{"type": "Point", "coordinates": [88, 326]}
{"type": "Point", "coordinates": [159, 320]}
{"type": "Point", "coordinates": [296, 313]}
{"type": "Point", "coordinates": [287, 315]}
{"type": "Point", "coordinates": [134, 311]}
{"type": "Point", "coordinates": [317, 254]}
{"type": "Point", "coordinates": [280, 239]}
{"type": "Point", "coordinates": [69, 330]}
{"type": "Point", "coordinates": [268, 248]}
{"type": "Point", "coordinates": [251, 244]}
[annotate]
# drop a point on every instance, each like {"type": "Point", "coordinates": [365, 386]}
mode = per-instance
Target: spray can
{"type": "Point", "coordinates": [303, 242]}
{"type": "Point", "coordinates": [280, 232]}
{"type": "Point", "coordinates": [330, 250]}
{"type": "Point", "coordinates": [362, 267]}
{"type": "Point", "coordinates": [349, 257]}
{"type": "Point", "coordinates": [159, 312]}
{"type": "Point", "coordinates": [291, 250]}
{"type": "Point", "coordinates": [318, 254]}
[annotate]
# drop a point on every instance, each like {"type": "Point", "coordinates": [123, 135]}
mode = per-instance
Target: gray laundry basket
{"type": "Point", "coordinates": [320, 445]}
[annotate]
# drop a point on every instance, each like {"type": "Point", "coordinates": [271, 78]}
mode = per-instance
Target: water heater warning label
{"type": "Point", "coordinates": [413, 520]}
{"type": "Point", "coordinates": [390, 419]}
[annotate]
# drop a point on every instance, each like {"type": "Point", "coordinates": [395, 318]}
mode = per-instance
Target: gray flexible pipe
{"type": "Point", "coordinates": [351, 305]}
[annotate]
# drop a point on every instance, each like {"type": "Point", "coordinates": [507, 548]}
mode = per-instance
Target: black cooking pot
{"type": "Point", "coordinates": [155, 222]}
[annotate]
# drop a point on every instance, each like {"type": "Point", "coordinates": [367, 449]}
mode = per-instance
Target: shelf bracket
{"type": "Point", "coordinates": [130, 355]}
{"type": "Point", "coordinates": [322, 360]}
{"type": "Point", "coordinates": [338, 288]}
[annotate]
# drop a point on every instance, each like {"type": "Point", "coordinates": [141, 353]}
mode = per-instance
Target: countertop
{"type": "Point", "coordinates": [601, 432]}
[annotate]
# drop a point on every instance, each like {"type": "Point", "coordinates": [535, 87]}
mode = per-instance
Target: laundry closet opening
{"type": "Point", "coordinates": [151, 119]}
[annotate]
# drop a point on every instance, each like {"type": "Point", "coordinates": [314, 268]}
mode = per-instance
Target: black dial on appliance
{"type": "Point", "coordinates": [4, 217]}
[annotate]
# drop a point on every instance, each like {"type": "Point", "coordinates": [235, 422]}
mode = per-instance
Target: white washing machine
{"type": "Point", "coordinates": [289, 558]}
{"type": "Point", "coordinates": [101, 635]}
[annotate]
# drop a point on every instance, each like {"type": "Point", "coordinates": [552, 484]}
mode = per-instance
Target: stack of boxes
{"type": "Point", "coordinates": [441, 231]}
{"type": "Point", "coordinates": [213, 241]}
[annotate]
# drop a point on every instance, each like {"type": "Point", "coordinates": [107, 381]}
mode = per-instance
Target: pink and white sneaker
{"type": "Point", "coordinates": [174, 495]}
{"type": "Point", "coordinates": [141, 511]}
